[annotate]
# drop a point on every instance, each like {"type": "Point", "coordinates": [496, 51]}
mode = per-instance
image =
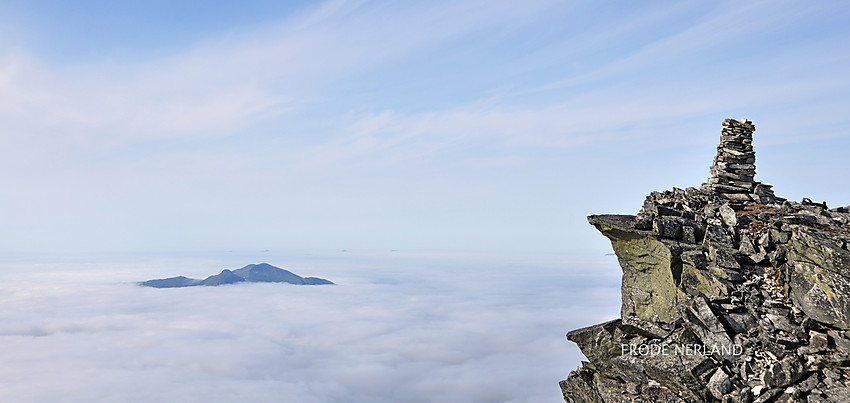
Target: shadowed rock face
{"type": "Point", "coordinates": [729, 294]}
{"type": "Point", "coordinates": [257, 273]}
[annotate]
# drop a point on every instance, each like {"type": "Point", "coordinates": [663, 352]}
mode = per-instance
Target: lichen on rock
{"type": "Point", "coordinates": [729, 293]}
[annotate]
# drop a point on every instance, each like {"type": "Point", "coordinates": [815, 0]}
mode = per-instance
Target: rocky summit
{"type": "Point", "coordinates": [729, 294]}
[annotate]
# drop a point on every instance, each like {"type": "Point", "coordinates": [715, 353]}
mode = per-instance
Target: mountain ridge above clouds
{"type": "Point", "coordinates": [252, 273]}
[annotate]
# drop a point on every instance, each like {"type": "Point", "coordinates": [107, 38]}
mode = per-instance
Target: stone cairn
{"type": "Point", "coordinates": [734, 169]}
{"type": "Point", "coordinates": [759, 284]}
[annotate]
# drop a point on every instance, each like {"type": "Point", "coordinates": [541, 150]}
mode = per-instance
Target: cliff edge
{"type": "Point", "coordinates": [729, 294]}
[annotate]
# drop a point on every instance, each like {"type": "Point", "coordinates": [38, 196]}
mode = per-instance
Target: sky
{"type": "Point", "coordinates": [440, 125]}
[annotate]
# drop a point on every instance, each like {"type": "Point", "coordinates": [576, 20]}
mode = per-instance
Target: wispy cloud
{"type": "Point", "coordinates": [231, 81]}
{"type": "Point", "coordinates": [318, 116]}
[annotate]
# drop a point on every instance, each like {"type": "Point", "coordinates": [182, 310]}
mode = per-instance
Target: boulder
{"type": "Point", "coordinates": [819, 277]}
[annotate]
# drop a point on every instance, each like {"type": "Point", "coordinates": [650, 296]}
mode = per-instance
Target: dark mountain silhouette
{"type": "Point", "coordinates": [171, 282]}
{"type": "Point", "coordinates": [254, 273]}
{"type": "Point", "coordinates": [225, 277]}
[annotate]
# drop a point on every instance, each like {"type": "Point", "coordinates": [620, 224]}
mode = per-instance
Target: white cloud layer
{"type": "Point", "coordinates": [415, 328]}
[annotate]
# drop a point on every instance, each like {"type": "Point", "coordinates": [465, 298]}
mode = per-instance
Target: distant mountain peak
{"type": "Point", "coordinates": [252, 273]}
{"type": "Point", "coordinates": [225, 277]}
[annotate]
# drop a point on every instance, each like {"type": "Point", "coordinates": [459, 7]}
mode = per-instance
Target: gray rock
{"type": "Point", "coordinates": [723, 257]}
{"type": "Point", "coordinates": [767, 395]}
{"type": "Point", "coordinates": [728, 215]}
{"type": "Point", "coordinates": [739, 323]}
{"type": "Point", "coordinates": [668, 227]}
{"type": "Point", "coordinates": [842, 343]}
{"type": "Point", "coordinates": [808, 384]}
{"type": "Point", "coordinates": [580, 387]}
{"type": "Point", "coordinates": [726, 274]}
{"type": "Point", "coordinates": [746, 245]}
{"type": "Point", "coordinates": [816, 398]}
{"type": "Point", "coordinates": [719, 385]}
{"type": "Point", "coordinates": [780, 322]}
{"type": "Point", "coordinates": [784, 372]}
{"type": "Point", "coordinates": [598, 343]}
{"type": "Point", "coordinates": [716, 236]}
{"type": "Point", "coordinates": [818, 341]}
{"type": "Point", "coordinates": [707, 328]}
{"type": "Point", "coordinates": [819, 282]}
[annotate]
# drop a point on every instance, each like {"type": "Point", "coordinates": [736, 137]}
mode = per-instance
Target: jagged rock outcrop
{"type": "Point", "coordinates": [729, 294]}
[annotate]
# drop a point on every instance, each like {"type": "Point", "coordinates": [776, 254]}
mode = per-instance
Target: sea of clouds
{"type": "Point", "coordinates": [412, 327]}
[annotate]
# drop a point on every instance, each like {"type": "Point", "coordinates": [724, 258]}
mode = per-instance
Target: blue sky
{"type": "Point", "coordinates": [485, 125]}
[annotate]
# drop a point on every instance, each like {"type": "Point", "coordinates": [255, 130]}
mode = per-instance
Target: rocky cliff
{"type": "Point", "coordinates": [729, 294]}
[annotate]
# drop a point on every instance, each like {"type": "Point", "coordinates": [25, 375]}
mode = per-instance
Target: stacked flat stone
{"type": "Point", "coordinates": [734, 169]}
